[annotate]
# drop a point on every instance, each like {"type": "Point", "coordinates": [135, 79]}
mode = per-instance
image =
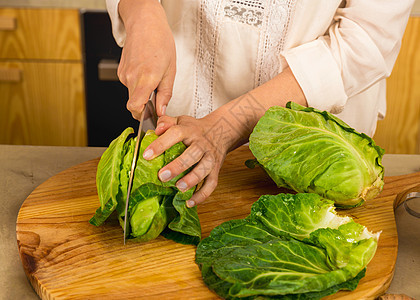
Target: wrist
{"type": "Point", "coordinates": [226, 129]}
{"type": "Point", "coordinates": [136, 13]}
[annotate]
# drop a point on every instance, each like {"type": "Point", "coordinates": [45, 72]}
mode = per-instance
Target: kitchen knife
{"type": "Point", "coordinates": [134, 161]}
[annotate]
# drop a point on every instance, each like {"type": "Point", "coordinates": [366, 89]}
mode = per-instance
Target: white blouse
{"type": "Point", "coordinates": [339, 51]}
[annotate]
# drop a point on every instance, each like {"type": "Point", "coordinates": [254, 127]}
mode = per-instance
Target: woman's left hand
{"type": "Point", "coordinates": [203, 149]}
{"type": "Point", "coordinates": [209, 139]}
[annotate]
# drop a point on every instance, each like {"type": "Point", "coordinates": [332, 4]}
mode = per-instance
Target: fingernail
{"type": "Point", "coordinates": [190, 203]}
{"type": "Point", "coordinates": [160, 125]}
{"type": "Point", "coordinates": [148, 154]}
{"type": "Point", "coordinates": [163, 109]}
{"type": "Point", "coordinates": [182, 185]}
{"type": "Point", "coordinates": [165, 175]}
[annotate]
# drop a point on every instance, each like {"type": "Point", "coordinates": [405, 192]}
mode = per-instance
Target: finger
{"type": "Point", "coordinates": [126, 74]}
{"type": "Point", "coordinates": [164, 90]}
{"type": "Point", "coordinates": [186, 160]}
{"type": "Point", "coordinates": [203, 168]}
{"type": "Point", "coordinates": [172, 136]}
{"type": "Point", "coordinates": [205, 191]}
{"type": "Point", "coordinates": [136, 112]}
{"type": "Point", "coordinates": [164, 123]}
{"type": "Point", "coordinates": [121, 69]}
{"type": "Point", "coordinates": [164, 93]}
{"type": "Point", "coordinates": [138, 97]}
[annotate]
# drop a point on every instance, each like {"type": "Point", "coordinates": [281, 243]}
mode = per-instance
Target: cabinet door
{"type": "Point", "coordinates": [52, 34]}
{"type": "Point", "coordinates": [42, 103]}
{"type": "Point", "coordinates": [399, 132]}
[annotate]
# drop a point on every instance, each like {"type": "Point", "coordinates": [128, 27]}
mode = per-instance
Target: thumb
{"type": "Point", "coordinates": [164, 93]}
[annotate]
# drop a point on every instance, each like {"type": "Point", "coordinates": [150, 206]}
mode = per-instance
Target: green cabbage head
{"type": "Point", "coordinates": [312, 151]}
{"type": "Point", "coordinates": [155, 207]}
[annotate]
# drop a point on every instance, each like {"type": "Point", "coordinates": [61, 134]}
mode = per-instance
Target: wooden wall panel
{"type": "Point", "coordinates": [399, 132]}
{"type": "Point", "coordinates": [46, 107]}
{"type": "Point", "coordinates": [40, 34]}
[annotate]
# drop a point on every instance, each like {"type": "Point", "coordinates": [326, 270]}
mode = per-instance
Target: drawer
{"type": "Point", "coordinates": [42, 103]}
{"type": "Point", "coordinates": [52, 34]}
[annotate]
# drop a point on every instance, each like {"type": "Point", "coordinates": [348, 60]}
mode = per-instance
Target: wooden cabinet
{"type": "Point", "coordinates": [399, 132]}
{"type": "Point", "coordinates": [45, 107]}
{"type": "Point", "coordinates": [42, 98]}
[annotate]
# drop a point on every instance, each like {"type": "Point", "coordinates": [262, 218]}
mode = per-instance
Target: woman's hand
{"type": "Point", "coordinates": [203, 149]}
{"type": "Point", "coordinates": [148, 59]}
{"type": "Point", "coordinates": [209, 139]}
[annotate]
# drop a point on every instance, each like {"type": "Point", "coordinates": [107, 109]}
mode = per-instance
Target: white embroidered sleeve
{"type": "Point", "coordinates": [118, 29]}
{"type": "Point", "coordinates": [358, 50]}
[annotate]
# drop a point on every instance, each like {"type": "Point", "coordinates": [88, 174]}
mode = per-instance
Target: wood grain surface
{"type": "Point", "coordinates": [65, 257]}
{"type": "Point", "coordinates": [52, 34]}
{"type": "Point", "coordinates": [46, 106]}
{"type": "Point", "coordinates": [399, 132]}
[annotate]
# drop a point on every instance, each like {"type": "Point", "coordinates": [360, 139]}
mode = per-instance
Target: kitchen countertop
{"type": "Point", "coordinates": [23, 168]}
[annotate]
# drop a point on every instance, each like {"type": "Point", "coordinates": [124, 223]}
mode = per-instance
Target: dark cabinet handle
{"type": "Point", "coordinates": [107, 70]}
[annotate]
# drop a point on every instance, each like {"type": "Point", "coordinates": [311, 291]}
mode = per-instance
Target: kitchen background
{"type": "Point", "coordinates": [58, 83]}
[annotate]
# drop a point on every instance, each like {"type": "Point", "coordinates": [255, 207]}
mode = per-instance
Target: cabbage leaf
{"type": "Point", "coordinates": [108, 186]}
{"type": "Point", "coordinates": [291, 246]}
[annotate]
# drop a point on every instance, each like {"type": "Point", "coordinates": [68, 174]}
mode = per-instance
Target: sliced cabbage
{"type": "Point", "coordinates": [289, 247]}
{"type": "Point", "coordinates": [154, 208]}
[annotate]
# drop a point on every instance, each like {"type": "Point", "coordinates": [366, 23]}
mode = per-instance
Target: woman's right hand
{"type": "Point", "coordinates": [148, 59]}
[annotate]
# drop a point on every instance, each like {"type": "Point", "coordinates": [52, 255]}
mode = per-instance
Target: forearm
{"type": "Point", "coordinates": [234, 121]}
{"type": "Point", "coordinates": [148, 59]}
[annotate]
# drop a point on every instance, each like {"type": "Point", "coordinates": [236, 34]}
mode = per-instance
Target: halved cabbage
{"type": "Point", "coordinates": [312, 151]}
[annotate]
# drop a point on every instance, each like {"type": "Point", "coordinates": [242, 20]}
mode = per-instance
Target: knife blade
{"type": "Point", "coordinates": [133, 164]}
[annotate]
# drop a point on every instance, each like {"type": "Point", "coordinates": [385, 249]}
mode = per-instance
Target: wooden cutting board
{"type": "Point", "coordinates": [65, 257]}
